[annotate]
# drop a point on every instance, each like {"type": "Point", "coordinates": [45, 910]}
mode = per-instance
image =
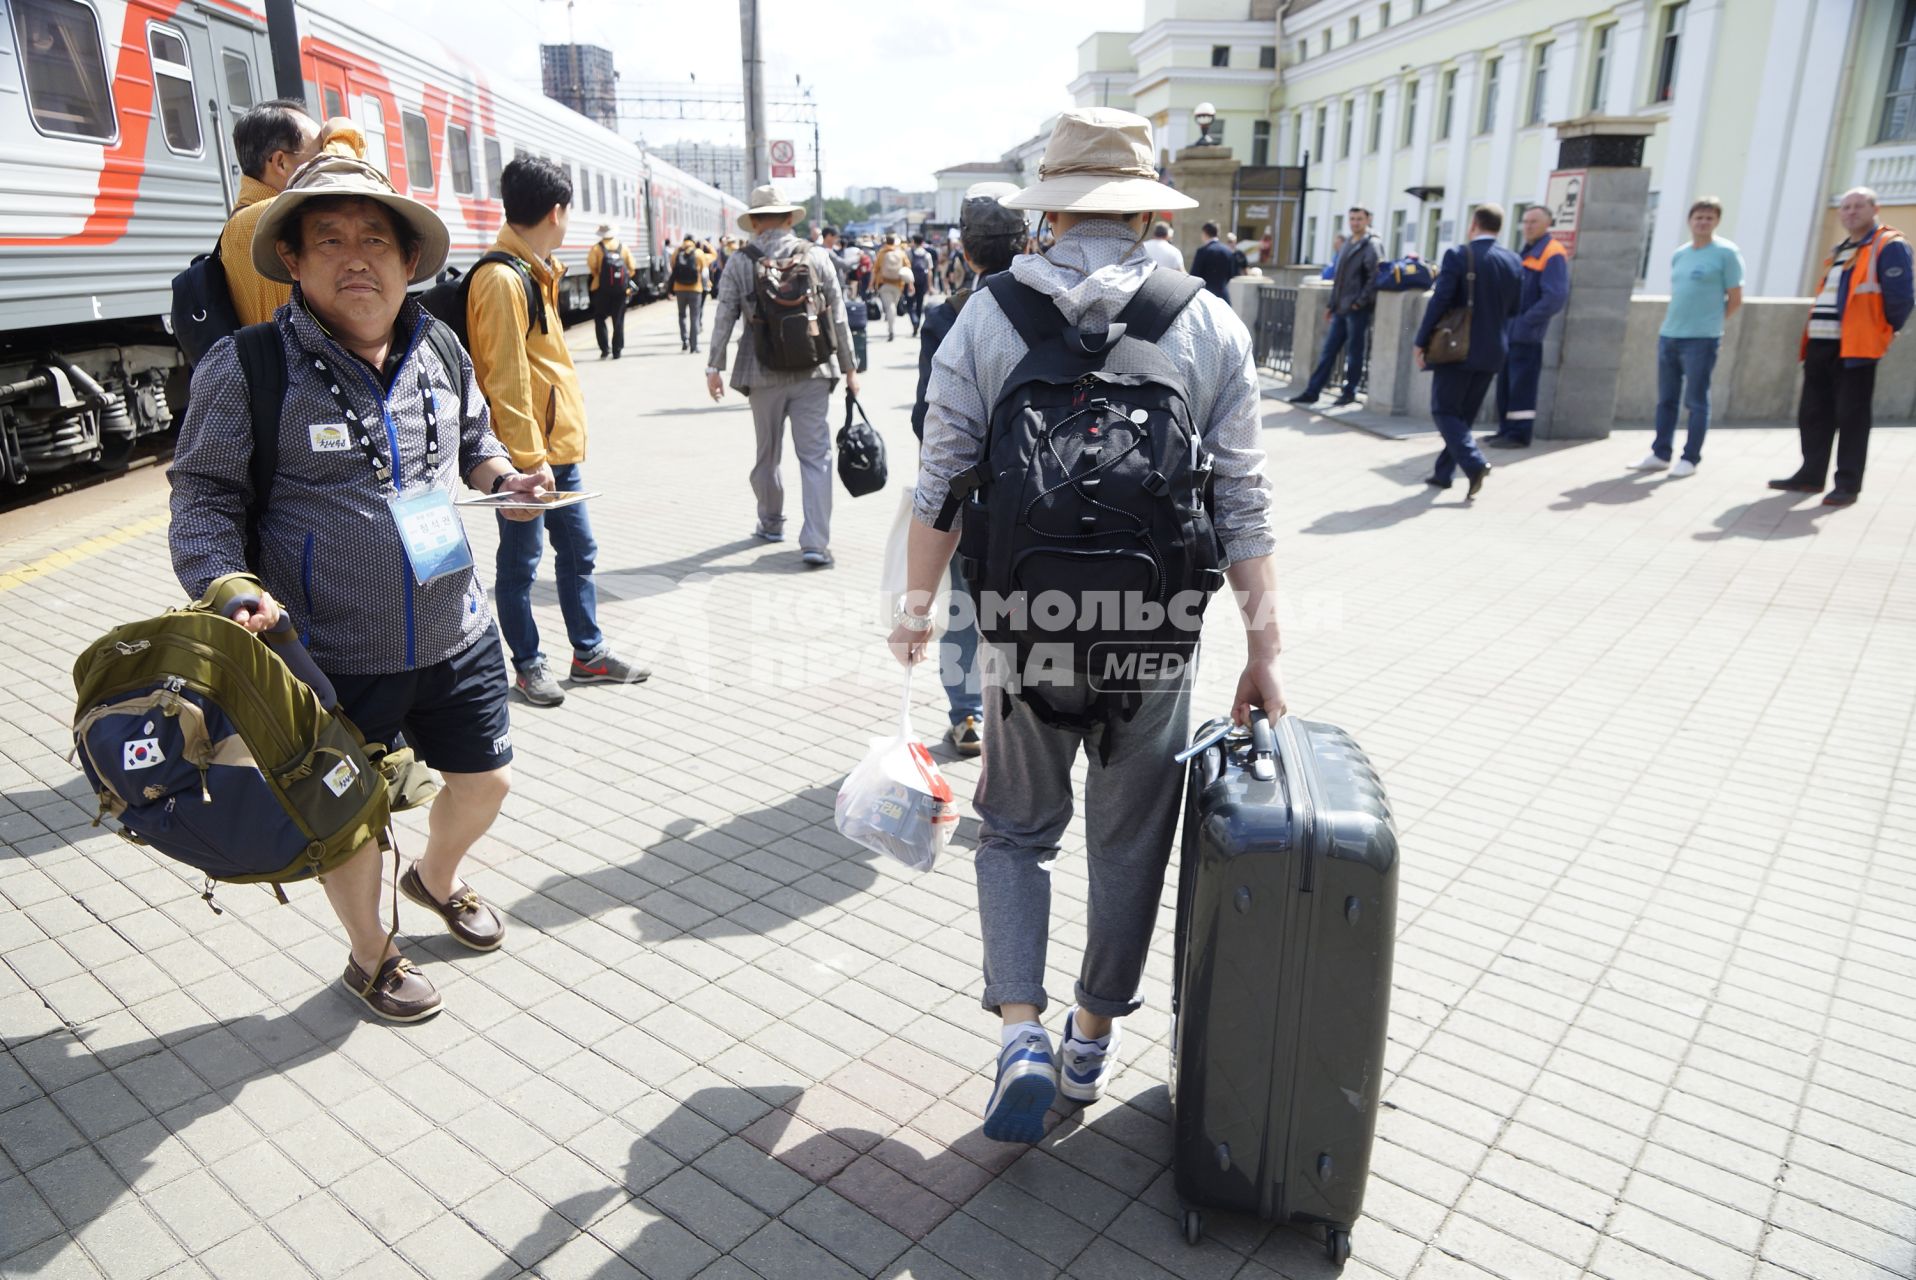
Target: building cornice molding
{"type": "Point", "coordinates": [1174, 31]}
{"type": "Point", "coordinates": [1410, 30]}
{"type": "Point", "coordinates": [1228, 76]}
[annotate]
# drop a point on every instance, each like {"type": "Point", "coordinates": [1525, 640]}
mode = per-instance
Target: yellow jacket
{"type": "Point", "coordinates": [255, 298]}
{"type": "Point", "coordinates": [595, 258]}
{"type": "Point", "coordinates": [705, 261]}
{"type": "Point", "coordinates": [538, 412]}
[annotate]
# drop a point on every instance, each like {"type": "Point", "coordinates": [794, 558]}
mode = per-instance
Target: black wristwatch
{"type": "Point", "coordinates": [500, 479]}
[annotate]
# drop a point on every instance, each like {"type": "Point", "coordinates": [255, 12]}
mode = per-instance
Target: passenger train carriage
{"type": "Point", "coordinates": [117, 167]}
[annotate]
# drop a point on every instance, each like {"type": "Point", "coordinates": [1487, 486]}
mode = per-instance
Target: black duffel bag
{"type": "Point", "coordinates": [861, 452]}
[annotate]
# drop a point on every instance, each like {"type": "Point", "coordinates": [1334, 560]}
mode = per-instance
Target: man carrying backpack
{"type": "Point", "coordinates": [786, 291]}
{"type": "Point", "coordinates": [1014, 410]}
{"type": "Point", "coordinates": [609, 266]}
{"type": "Point", "coordinates": [891, 272]}
{"type": "Point", "coordinates": [332, 527]}
{"type": "Point", "coordinates": [688, 286]}
{"type": "Point", "coordinates": [538, 413]}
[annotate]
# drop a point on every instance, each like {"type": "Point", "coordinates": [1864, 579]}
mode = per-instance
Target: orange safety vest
{"type": "Point", "coordinates": [1866, 332]}
{"type": "Point", "coordinates": [1552, 248]}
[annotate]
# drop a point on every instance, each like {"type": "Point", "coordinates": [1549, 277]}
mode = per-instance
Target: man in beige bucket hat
{"type": "Point", "coordinates": [380, 420]}
{"type": "Point", "coordinates": [1099, 189]}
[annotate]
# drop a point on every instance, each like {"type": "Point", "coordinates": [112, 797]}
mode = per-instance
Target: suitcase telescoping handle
{"type": "Point", "coordinates": [291, 651]}
{"type": "Point", "coordinates": [1263, 748]}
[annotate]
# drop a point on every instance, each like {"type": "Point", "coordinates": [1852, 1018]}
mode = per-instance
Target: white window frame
{"type": "Point", "coordinates": [372, 122]}
{"type": "Point", "coordinates": [178, 71]}
{"type": "Point", "coordinates": [107, 72]}
{"type": "Point", "coordinates": [452, 154]}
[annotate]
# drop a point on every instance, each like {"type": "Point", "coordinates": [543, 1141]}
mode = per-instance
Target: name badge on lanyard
{"type": "Point", "coordinates": [428, 526]}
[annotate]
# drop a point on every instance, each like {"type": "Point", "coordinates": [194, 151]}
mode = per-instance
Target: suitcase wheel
{"type": "Point", "coordinates": [1194, 1226]}
{"type": "Point", "coordinates": [1337, 1245]}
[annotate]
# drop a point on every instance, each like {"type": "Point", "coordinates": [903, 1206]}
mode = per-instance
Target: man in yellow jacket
{"type": "Point", "coordinates": [538, 413]}
{"type": "Point", "coordinates": [610, 267]}
{"type": "Point", "coordinates": [272, 140]}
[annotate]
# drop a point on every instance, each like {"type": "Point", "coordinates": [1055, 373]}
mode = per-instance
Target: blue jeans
{"type": "Point", "coordinates": [1456, 397]}
{"type": "Point", "coordinates": [521, 543]}
{"type": "Point", "coordinates": [958, 655]}
{"type": "Point", "coordinates": [1351, 331]}
{"type": "Point", "coordinates": [1684, 366]}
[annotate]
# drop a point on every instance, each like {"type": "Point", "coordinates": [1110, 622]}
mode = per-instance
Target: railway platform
{"type": "Point", "coordinates": [1648, 743]}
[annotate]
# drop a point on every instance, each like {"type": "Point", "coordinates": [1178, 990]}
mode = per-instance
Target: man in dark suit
{"type": "Point", "coordinates": [1457, 390]}
{"type": "Point", "coordinates": [1212, 262]}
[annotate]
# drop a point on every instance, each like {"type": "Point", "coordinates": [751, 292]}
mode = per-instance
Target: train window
{"type": "Point", "coordinates": [459, 148]}
{"type": "Point", "coordinates": [239, 79]}
{"type": "Point", "coordinates": [68, 88]}
{"type": "Point", "coordinates": [334, 107]}
{"type": "Point", "coordinates": [372, 121]}
{"type": "Point", "coordinates": [418, 151]}
{"type": "Point", "coordinates": [494, 164]}
{"type": "Point", "coordinates": [602, 200]}
{"type": "Point", "coordinates": [585, 190]}
{"type": "Point", "coordinates": [173, 86]}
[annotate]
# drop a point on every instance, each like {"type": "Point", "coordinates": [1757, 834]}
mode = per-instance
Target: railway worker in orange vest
{"type": "Point", "coordinates": [397, 619]}
{"type": "Point", "coordinates": [272, 140]}
{"type": "Point", "coordinates": [538, 413]}
{"type": "Point", "coordinates": [610, 267]}
{"type": "Point", "coordinates": [1863, 297]}
{"type": "Point", "coordinates": [1546, 288]}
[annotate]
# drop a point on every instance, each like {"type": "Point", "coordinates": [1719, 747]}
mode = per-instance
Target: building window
{"type": "Point", "coordinates": [372, 122]}
{"type": "Point", "coordinates": [1266, 57]}
{"type": "Point", "coordinates": [1323, 120]}
{"type": "Point", "coordinates": [1493, 73]}
{"type": "Point", "coordinates": [239, 80]}
{"type": "Point", "coordinates": [459, 152]}
{"type": "Point", "coordinates": [1303, 50]}
{"type": "Point", "coordinates": [1397, 217]}
{"type": "Point", "coordinates": [1217, 131]}
{"type": "Point", "coordinates": [1357, 29]}
{"type": "Point", "coordinates": [1350, 120]}
{"type": "Point", "coordinates": [495, 164]}
{"type": "Point", "coordinates": [1515, 223]}
{"type": "Point", "coordinates": [1539, 83]}
{"type": "Point", "coordinates": [173, 89]}
{"type": "Point", "coordinates": [68, 89]}
{"type": "Point", "coordinates": [1409, 133]}
{"type": "Point", "coordinates": [1376, 122]}
{"type": "Point", "coordinates": [1260, 142]}
{"type": "Point", "coordinates": [1600, 67]}
{"type": "Point", "coordinates": [1447, 109]}
{"type": "Point", "coordinates": [1297, 137]}
{"type": "Point", "coordinates": [1669, 49]}
{"type": "Point", "coordinates": [1310, 234]}
{"type": "Point", "coordinates": [1416, 8]}
{"type": "Point", "coordinates": [1899, 104]}
{"type": "Point", "coordinates": [418, 150]}
{"type": "Point", "coordinates": [1220, 55]}
{"type": "Point", "coordinates": [1326, 40]}
{"type": "Point", "coordinates": [1383, 15]}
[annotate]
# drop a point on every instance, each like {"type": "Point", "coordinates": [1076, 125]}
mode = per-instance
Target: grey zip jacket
{"type": "Point", "coordinates": [1092, 272]}
{"type": "Point", "coordinates": [329, 549]}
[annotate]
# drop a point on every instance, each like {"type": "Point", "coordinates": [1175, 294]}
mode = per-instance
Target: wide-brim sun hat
{"type": "Point", "coordinates": [1099, 160]}
{"type": "Point", "coordinates": [605, 231]}
{"type": "Point", "coordinates": [767, 201]}
{"type": "Point", "coordinates": [331, 175]}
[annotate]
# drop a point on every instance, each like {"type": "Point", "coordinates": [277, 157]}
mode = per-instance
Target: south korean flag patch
{"type": "Point", "coordinates": [141, 753]}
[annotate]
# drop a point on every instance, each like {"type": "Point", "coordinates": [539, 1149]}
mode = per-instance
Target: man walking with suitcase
{"type": "Point", "coordinates": [1098, 202]}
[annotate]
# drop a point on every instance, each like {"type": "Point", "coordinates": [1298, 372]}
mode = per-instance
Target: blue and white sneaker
{"type": "Point", "coordinates": [1086, 1062]}
{"type": "Point", "coordinates": [1027, 1083]}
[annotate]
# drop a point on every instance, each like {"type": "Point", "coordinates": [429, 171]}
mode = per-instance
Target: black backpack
{"type": "Point", "coordinates": [1088, 526]}
{"type": "Point", "coordinates": [790, 326]}
{"type": "Point", "coordinates": [685, 267]}
{"type": "Point", "coordinates": [262, 359]}
{"type": "Point", "coordinates": [446, 300]}
{"type": "Point", "coordinates": [203, 310]}
{"type": "Point", "coordinates": [611, 269]}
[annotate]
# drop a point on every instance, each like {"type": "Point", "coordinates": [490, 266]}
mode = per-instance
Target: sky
{"type": "Point", "coordinates": [902, 90]}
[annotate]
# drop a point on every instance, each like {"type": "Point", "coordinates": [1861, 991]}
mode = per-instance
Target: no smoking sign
{"type": "Point", "coordinates": [783, 154]}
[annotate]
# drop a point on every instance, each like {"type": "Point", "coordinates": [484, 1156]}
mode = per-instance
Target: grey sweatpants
{"type": "Point", "coordinates": [1131, 816]}
{"type": "Point", "coordinates": [807, 405]}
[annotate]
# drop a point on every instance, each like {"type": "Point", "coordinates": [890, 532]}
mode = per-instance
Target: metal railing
{"type": "Point", "coordinates": [1276, 322]}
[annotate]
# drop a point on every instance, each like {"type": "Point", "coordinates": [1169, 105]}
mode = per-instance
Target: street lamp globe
{"type": "Point", "coordinates": [1204, 113]}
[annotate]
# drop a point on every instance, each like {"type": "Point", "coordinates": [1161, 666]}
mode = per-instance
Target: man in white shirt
{"type": "Point", "coordinates": [1158, 247]}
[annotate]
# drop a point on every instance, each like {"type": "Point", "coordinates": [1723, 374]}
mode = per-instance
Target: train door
{"type": "Point", "coordinates": [329, 84]}
{"type": "Point", "coordinates": [231, 87]}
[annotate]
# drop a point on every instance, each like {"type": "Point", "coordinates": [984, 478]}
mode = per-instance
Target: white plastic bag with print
{"type": "Point", "coordinates": [893, 572]}
{"type": "Point", "coordinates": [896, 802]}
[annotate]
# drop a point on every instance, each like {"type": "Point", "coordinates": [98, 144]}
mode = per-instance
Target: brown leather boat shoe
{"type": "Point", "coordinates": [400, 993]}
{"type": "Point", "coordinates": [466, 914]}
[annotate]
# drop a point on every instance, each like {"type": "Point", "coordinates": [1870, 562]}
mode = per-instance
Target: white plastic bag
{"type": "Point", "coordinates": [896, 802]}
{"type": "Point", "coordinates": [893, 572]}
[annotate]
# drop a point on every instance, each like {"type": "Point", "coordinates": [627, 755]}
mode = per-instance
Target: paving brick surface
{"type": "Point", "coordinates": [1648, 743]}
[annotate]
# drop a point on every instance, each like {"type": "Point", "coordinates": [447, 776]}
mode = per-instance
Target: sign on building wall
{"type": "Point", "coordinates": [1564, 198]}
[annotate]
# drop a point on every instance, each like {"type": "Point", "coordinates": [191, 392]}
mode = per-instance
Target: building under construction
{"type": "Point", "coordinates": [581, 76]}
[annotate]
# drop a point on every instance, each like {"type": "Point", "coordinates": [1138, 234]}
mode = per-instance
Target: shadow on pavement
{"type": "Point", "coordinates": [1771, 519]}
{"type": "Point", "coordinates": [1612, 491]}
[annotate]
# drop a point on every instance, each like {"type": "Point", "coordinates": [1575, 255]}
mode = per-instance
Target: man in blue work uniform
{"type": "Point", "coordinates": [1546, 287]}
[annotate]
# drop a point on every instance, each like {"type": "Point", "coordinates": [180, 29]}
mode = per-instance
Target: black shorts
{"type": "Point", "coordinates": [453, 714]}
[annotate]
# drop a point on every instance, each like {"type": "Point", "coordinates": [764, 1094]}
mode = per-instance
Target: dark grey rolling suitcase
{"type": "Point", "coordinates": [1287, 898]}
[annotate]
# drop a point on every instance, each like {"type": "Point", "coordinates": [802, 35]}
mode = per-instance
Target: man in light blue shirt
{"type": "Point", "coordinates": [1706, 288]}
